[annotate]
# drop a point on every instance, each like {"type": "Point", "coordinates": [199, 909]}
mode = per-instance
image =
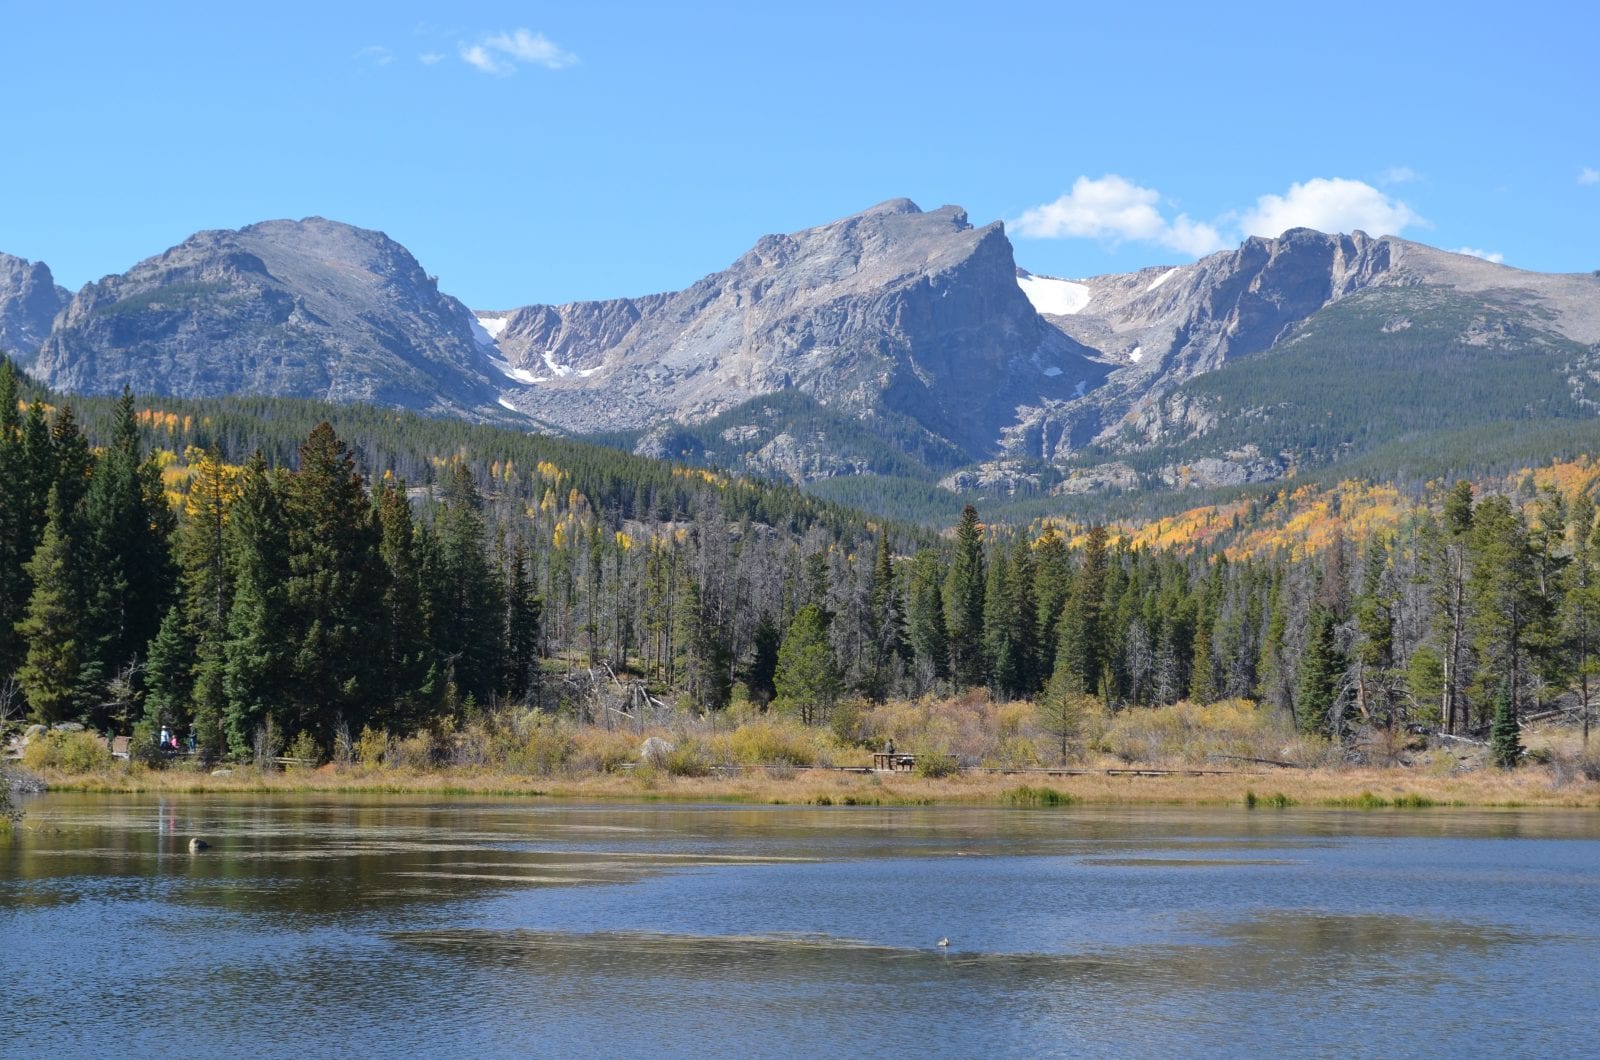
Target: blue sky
{"type": "Point", "coordinates": [549, 152]}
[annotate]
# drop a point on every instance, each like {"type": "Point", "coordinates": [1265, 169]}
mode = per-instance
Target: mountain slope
{"type": "Point", "coordinates": [310, 308]}
{"type": "Point", "coordinates": [1236, 368]}
{"type": "Point", "coordinates": [892, 314]}
{"type": "Point", "coordinates": [29, 301]}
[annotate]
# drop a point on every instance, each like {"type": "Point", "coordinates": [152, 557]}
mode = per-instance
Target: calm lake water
{"type": "Point", "coordinates": [463, 928]}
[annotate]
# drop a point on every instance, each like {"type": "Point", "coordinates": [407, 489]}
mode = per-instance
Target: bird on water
{"type": "Point", "coordinates": [944, 943]}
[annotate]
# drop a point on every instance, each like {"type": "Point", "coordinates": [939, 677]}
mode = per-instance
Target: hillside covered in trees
{"type": "Point", "coordinates": [244, 571]}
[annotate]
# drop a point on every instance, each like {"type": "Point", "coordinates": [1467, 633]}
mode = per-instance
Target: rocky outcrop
{"type": "Point", "coordinates": [310, 308]}
{"type": "Point", "coordinates": [914, 313]}
{"type": "Point", "coordinates": [29, 302]}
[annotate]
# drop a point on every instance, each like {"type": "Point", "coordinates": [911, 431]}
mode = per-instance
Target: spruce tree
{"type": "Point", "coordinates": [72, 463]}
{"type": "Point", "coordinates": [14, 512]}
{"type": "Point", "coordinates": [807, 677]}
{"type": "Point", "coordinates": [885, 625]}
{"type": "Point", "coordinates": [465, 598]}
{"type": "Point", "coordinates": [169, 672]}
{"type": "Point", "coordinates": [1580, 608]}
{"type": "Point", "coordinates": [761, 673]}
{"type": "Point", "coordinates": [520, 667]}
{"type": "Point", "coordinates": [1082, 640]}
{"type": "Point", "coordinates": [930, 638]}
{"type": "Point", "coordinates": [129, 565]}
{"type": "Point", "coordinates": [56, 673]}
{"type": "Point", "coordinates": [259, 664]}
{"type": "Point", "coordinates": [335, 592]}
{"type": "Point", "coordinates": [1509, 615]}
{"type": "Point", "coordinates": [410, 671]}
{"type": "Point", "coordinates": [998, 648]}
{"type": "Point", "coordinates": [1505, 738]}
{"type": "Point", "coordinates": [1321, 669]}
{"type": "Point", "coordinates": [963, 601]}
{"type": "Point", "coordinates": [1016, 653]}
{"type": "Point", "coordinates": [1052, 586]}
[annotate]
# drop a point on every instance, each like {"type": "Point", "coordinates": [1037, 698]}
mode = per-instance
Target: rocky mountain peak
{"type": "Point", "coordinates": [29, 302]}
{"type": "Point", "coordinates": [890, 311]}
{"type": "Point", "coordinates": [312, 308]}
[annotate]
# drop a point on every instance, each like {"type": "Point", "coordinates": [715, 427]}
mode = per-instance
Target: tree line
{"type": "Point", "coordinates": [232, 594]}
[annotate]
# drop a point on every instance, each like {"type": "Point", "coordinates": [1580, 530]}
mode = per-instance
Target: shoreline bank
{"type": "Point", "coordinates": [1365, 788]}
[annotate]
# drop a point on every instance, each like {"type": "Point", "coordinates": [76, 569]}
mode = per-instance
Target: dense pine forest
{"type": "Point", "coordinates": [242, 573]}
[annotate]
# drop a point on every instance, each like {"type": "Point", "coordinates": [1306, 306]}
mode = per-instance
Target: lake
{"type": "Point", "coordinates": [422, 926]}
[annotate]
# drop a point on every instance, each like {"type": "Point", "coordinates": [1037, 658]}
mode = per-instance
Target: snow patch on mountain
{"type": "Point", "coordinates": [1159, 280]}
{"type": "Point", "coordinates": [1057, 297]}
{"type": "Point", "coordinates": [520, 375]}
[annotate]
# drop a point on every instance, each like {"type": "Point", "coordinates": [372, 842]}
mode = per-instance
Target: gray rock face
{"type": "Point", "coordinates": [894, 309]}
{"type": "Point", "coordinates": [29, 302]}
{"type": "Point", "coordinates": [308, 308]}
{"type": "Point", "coordinates": [1162, 326]}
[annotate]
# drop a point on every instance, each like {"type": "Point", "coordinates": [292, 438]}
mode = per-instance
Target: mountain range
{"type": "Point", "coordinates": [896, 342]}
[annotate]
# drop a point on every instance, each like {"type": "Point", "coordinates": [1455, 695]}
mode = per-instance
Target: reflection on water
{"type": "Point", "coordinates": [371, 926]}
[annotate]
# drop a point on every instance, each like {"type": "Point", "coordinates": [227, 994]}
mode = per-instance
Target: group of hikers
{"type": "Point", "coordinates": [171, 745]}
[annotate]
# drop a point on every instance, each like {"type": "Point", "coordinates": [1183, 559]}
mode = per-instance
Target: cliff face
{"type": "Point", "coordinates": [308, 308]}
{"type": "Point", "coordinates": [1198, 344]}
{"type": "Point", "coordinates": [893, 310]}
{"type": "Point", "coordinates": [29, 302]}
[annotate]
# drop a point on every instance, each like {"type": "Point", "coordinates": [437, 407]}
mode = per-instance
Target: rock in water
{"type": "Point", "coordinates": [197, 844]}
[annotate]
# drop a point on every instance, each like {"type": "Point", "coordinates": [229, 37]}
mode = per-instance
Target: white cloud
{"type": "Point", "coordinates": [430, 58]}
{"type": "Point", "coordinates": [376, 54]}
{"type": "Point", "coordinates": [1487, 255]}
{"type": "Point", "coordinates": [1329, 204]}
{"type": "Point", "coordinates": [1116, 209]}
{"type": "Point", "coordinates": [1589, 175]}
{"type": "Point", "coordinates": [1399, 175]}
{"type": "Point", "coordinates": [502, 53]}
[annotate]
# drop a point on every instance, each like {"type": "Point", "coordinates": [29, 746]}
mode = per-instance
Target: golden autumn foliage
{"type": "Point", "coordinates": [1307, 519]}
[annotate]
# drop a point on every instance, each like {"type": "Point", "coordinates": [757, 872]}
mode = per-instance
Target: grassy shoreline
{"type": "Point", "coordinates": [1369, 788]}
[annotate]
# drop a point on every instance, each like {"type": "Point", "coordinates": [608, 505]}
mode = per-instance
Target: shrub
{"type": "Point", "coordinates": [1191, 732]}
{"type": "Point", "coordinates": [596, 750]}
{"type": "Point", "coordinates": [848, 722]}
{"type": "Point", "coordinates": [371, 746]}
{"type": "Point", "coordinates": [546, 749]}
{"type": "Point", "coordinates": [1566, 768]}
{"type": "Point", "coordinates": [1041, 796]}
{"type": "Point", "coordinates": [144, 746]}
{"type": "Point", "coordinates": [936, 764]}
{"type": "Point", "coordinates": [414, 752]}
{"type": "Point", "coordinates": [305, 748]}
{"type": "Point", "coordinates": [67, 752]}
{"type": "Point", "coordinates": [774, 741]}
{"type": "Point", "coordinates": [688, 759]}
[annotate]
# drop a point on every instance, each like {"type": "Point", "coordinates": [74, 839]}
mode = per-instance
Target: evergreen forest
{"type": "Point", "coordinates": [247, 571]}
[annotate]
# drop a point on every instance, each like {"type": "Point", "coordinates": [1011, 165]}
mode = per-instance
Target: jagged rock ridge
{"type": "Point", "coordinates": [893, 311]}
{"type": "Point", "coordinates": [1170, 327]}
{"type": "Point", "coordinates": [29, 301]}
{"type": "Point", "coordinates": [1165, 325]}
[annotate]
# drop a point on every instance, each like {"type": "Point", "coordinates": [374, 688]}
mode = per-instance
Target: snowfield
{"type": "Point", "coordinates": [1061, 298]}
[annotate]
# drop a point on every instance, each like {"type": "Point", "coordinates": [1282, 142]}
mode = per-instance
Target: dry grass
{"type": "Point", "coordinates": [748, 757]}
{"type": "Point", "coordinates": [1531, 786]}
